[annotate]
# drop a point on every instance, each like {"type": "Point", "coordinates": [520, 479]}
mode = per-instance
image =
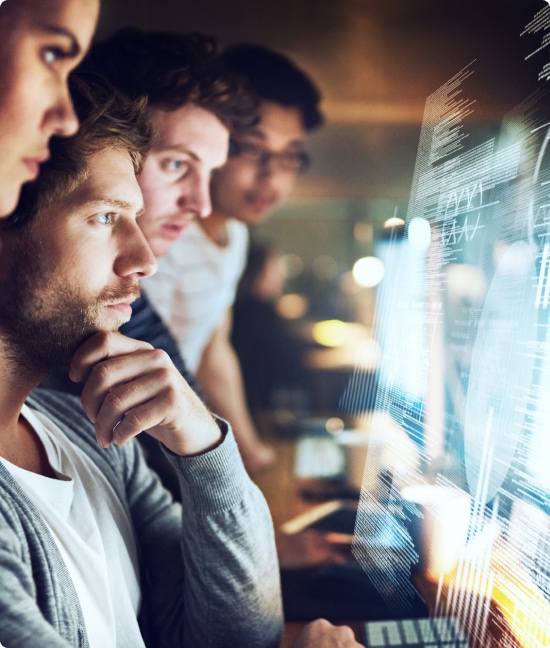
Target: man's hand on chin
{"type": "Point", "coordinates": [132, 387]}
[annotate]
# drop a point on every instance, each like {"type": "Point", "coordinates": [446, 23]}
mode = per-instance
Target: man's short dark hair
{"type": "Point", "coordinates": [173, 70]}
{"type": "Point", "coordinates": [108, 119]}
{"type": "Point", "coordinates": [274, 77]}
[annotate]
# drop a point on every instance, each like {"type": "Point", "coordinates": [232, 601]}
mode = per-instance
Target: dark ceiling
{"type": "Point", "coordinates": [375, 61]}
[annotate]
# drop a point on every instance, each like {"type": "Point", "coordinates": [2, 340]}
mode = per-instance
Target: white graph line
{"type": "Point", "coordinates": [543, 283]}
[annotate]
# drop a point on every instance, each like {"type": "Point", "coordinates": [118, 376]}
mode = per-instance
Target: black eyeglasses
{"type": "Point", "coordinates": [289, 161]}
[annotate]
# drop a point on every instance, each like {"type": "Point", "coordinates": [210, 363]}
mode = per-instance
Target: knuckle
{"type": "Point", "coordinates": [159, 356]}
{"type": "Point", "coordinates": [101, 371]}
{"type": "Point", "coordinates": [114, 400]}
{"type": "Point", "coordinates": [346, 632]}
{"type": "Point", "coordinates": [323, 624]}
{"type": "Point", "coordinates": [171, 397]}
{"type": "Point", "coordinates": [132, 422]}
{"type": "Point", "coordinates": [163, 376]}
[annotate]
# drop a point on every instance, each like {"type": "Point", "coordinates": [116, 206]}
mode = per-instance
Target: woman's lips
{"type": "Point", "coordinates": [33, 164]}
{"type": "Point", "coordinates": [34, 168]}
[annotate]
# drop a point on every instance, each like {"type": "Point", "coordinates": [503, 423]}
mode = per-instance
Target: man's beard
{"type": "Point", "coordinates": [43, 322]}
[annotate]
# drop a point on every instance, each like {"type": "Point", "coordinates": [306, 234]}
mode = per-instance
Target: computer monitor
{"type": "Point", "coordinates": [463, 321]}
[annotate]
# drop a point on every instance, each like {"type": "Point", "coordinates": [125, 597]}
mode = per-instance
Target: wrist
{"type": "Point", "coordinates": [208, 438]}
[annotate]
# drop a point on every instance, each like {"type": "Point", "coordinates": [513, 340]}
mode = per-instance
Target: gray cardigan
{"type": "Point", "coordinates": [209, 572]}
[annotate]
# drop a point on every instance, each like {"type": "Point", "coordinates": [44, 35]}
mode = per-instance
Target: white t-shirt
{"type": "Point", "coordinates": [196, 284]}
{"type": "Point", "coordinates": [93, 534]}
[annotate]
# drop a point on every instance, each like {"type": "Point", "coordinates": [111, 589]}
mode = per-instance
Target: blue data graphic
{"type": "Point", "coordinates": [463, 321]}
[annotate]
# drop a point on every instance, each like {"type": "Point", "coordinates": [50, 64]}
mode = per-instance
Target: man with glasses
{"type": "Point", "coordinates": [197, 279]}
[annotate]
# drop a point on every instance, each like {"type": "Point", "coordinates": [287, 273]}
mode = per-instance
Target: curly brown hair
{"type": "Point", "coordinates": [108, 119]}
{"type": "Point", "coordinates": [173, 70]}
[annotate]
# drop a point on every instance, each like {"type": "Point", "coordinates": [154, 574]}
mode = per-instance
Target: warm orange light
{"type": "Point", "coordinates": [292, 306]}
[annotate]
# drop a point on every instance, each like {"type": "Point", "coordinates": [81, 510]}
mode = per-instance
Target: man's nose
{"type": "Point", "coordinates": [136, 257]}
{"type": "Point", "coordinates": [266, 167]}
{"type": "Point", "coordinates": [195, 196]}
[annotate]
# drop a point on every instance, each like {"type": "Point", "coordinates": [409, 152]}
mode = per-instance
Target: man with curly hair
{"type": "Point", "coordinates": [196, 104]}
{"type": "Point", "coordinates": [93, 550]}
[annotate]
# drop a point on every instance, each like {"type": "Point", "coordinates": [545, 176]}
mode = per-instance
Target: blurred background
{"type": "Point", "coordinates": [321, 259]}
{"type": "Point", "coordinates": [375, 62]}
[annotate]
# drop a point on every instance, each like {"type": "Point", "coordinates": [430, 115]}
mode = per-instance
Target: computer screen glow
{"type": "Point", "coordinates": [463, 322]}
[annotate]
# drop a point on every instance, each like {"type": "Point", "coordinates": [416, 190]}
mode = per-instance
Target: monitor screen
{"type": "Point", "coordinates": [463, 322]}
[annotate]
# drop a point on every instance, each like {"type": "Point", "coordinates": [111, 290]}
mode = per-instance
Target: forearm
{"type": "Point", "coordinates": [213, 574]}
{"type": "Point", "coordinates": [220, 378]}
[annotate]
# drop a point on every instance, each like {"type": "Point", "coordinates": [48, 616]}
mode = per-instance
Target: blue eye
{"type": "Point", "coordinates": [176, 166]}
{"type": "Point", "coordinates": [51, 55]}
{"type": "Point", "coordinates": [105, 218]}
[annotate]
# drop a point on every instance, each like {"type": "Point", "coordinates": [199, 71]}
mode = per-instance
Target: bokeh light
{"type": "Point", "coordinates": [292, 306]}
{"type": "Point", "coordinates": [325, 267]}
{"type": "Point", "coordinates": [330, 333]}
{"type": "Point", "coordinates": [420, 233]}
{"type": "Point", "coordinates": [394, 221]}
{"type": "Point", "coordinates": [368, 271]}
{"type": "Point", "coordinates": [293, 264]}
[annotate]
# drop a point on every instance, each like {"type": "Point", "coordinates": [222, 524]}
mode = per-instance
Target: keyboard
{"type": "Point", "coordinates": [441, 632]}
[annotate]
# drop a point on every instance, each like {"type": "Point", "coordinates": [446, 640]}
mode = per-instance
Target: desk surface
{"type": "Point", "coordinates": [282, 489]}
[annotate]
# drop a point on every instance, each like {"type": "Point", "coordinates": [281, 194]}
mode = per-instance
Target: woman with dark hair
{"type": "Point", "coordinates": [40, 44]}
